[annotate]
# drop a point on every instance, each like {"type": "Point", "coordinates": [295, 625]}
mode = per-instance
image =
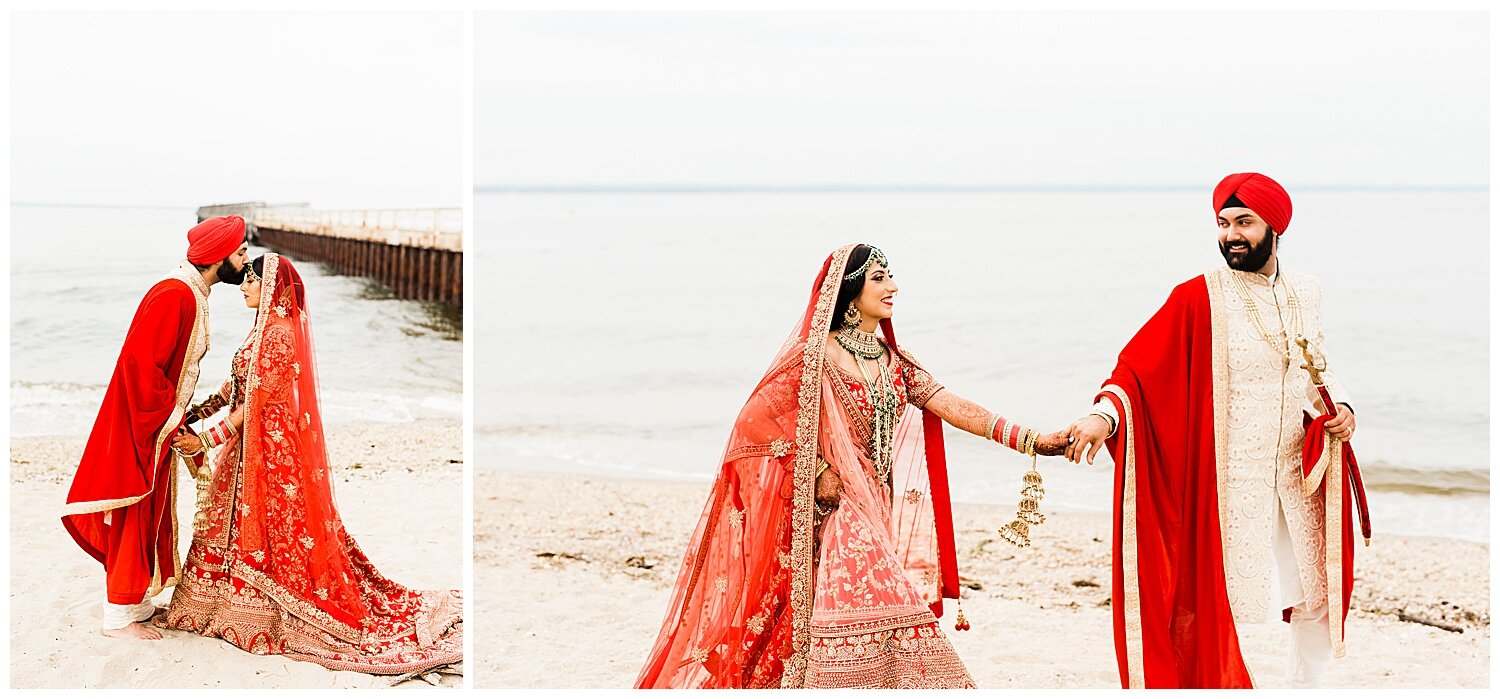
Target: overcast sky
{"type": "Point", "coordinates": [988, 99]}
{"type": "Point", "coordinates": [145, 108]}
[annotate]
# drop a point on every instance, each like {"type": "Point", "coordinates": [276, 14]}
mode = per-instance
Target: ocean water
{"type": "Point", "coordinates": [620, 333]}
{"type": "Point", "coordinates": [78, 274]}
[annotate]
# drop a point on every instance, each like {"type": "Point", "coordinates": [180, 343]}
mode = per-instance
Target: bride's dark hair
{"type": "Point", "coordinates": [849, 289]}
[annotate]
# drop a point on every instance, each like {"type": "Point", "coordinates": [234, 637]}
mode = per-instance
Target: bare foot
{"type": "Point", "coordinates": [136, 631]}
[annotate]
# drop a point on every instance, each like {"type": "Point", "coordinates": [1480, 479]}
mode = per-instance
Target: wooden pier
{"type": "Point", "coordinates": [417, 253]}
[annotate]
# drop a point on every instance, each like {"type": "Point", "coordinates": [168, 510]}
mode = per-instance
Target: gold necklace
{"type": "Point", "coordinates": [1294, 308]}
{"type": "Point", "coordinates": [859, 343]}
{"type": "Point", "coordinates": [885, 406]}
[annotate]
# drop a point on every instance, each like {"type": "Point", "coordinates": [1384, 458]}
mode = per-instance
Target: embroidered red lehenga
{"type": "Point", "coordinates": [272, 570]}
{"type": "Point", "coordinates": [772, 594]}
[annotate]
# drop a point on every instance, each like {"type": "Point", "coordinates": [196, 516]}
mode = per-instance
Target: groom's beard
{"type": "Point", "coordinates": [229, 275]}
{"type": "Point", "coordinates": [1252, 260]}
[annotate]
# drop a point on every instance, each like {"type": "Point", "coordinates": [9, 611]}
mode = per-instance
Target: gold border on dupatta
{"type": "Point", "coordinates": [1135, 654]}
{"type": "Point", "coordinates": [809, 397]}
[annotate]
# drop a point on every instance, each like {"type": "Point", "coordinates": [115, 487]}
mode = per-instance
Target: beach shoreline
{"type": "Point", "coordinates": [56, 589]}
{"type": "Point", "coordinates": [580, 568]}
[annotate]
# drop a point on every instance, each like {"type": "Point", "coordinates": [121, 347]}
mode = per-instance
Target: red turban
{"type": "Point", "coordinates": [215, 239]}
{"type": "Point", "coordinates": [1258, 193]}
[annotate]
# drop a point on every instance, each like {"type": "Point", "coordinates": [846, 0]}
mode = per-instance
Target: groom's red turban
{"type": "Point", "coordinates": [215, 239]}
{"type": "Point", "coordinates": [1258, 193]}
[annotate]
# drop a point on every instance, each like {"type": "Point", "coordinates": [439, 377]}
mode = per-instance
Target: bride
{"type": "Point", "coordinates": [826, 548]}
{"type": "Point", "coordinates": [271, 568]}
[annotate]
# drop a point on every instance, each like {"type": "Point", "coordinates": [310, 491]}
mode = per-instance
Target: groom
{"type": "Point", "coordinates": [120, 507]}
{"type": "Point", "coordinates": [1220, 518]}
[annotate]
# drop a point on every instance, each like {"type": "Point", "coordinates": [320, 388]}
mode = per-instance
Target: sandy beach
{"type": "Point", "coordinates": [399, 488]}
{"type": "Point", "coordinates": [572, 575]}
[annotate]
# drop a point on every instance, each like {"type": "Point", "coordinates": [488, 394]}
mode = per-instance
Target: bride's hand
{"type": "Point", "coordinates": [187, 443]}
{"type": "Point", "coordinates": [1052, 444]}
{"type": "Point", "coordinates": [827, 489]}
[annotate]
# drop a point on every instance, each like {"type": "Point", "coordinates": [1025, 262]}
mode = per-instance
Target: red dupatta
{"type": "Point", "coordinates": [741, 611]}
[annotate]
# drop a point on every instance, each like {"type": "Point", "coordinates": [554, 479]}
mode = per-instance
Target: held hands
{"type": "Point", "coordinates": [187, 443]}
{"type": "Point", "coordinates": [1342, 425]}
{"type": "Point", "coordinates": [1052, 444]}
{"type": "Point", "coordinates": [827, 489]}
{"type": "Point", "coordinates": [1085, 436]}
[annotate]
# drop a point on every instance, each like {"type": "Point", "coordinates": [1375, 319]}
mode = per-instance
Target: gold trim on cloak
{"type": "Point", "coordinates": [1216, 280]}
{"type": "Point", "coordinates": [1333, 553]}
{"type": "Point", "coordinates": [1135, 656]}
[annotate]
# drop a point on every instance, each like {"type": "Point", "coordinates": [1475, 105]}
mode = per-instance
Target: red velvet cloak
{"type": "Point", "coordinates": [128, 457]}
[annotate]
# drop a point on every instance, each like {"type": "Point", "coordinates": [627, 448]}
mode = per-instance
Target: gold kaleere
{"type": "Point", "coordinates": [202, 478]}
{"type": "Point", "coordinates": [1028, 510]}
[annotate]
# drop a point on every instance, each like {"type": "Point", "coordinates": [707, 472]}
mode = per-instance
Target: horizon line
{"type": "Point", "coordinates": [668, 188]}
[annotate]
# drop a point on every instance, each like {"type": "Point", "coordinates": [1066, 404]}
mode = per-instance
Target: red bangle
{"type": "Point", "coordinates": [998, 429]}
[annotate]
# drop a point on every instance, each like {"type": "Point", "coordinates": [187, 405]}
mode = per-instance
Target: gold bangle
{"type": "Point", "coordinates": [822, 466]}
{"type": "Point", "coordinates": [1107, 420]}
{"type": "Point", "coordinates": [994, 420]}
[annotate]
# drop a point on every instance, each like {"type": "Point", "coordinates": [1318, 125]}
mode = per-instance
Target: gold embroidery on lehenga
{"type": "Point", "coordinates": [756, 624]}
{"type": "Point", "coordinates": [913, 657]}
{"type": "Point", "coordinates": [274, 605]}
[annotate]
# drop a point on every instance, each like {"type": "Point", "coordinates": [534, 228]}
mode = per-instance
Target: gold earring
{"type": "Point", "coordinates": [852, 316]}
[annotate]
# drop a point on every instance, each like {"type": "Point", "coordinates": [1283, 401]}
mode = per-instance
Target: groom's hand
{"type": "Point", "coordinates": [1086, 435]}
{"type": "Point", "coordinates": [1342, 425]}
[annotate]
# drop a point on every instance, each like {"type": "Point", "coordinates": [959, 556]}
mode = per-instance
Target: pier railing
{"type": "Point", "coordinates": [440, 229]}
{"type": "Point", "coordinates": [417, 253]}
